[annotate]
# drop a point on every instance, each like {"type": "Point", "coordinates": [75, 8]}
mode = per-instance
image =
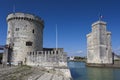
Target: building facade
{"type": "Point", "coordinates": [99, 50]}
{"type": "Point", "coordinates": [25, 33]}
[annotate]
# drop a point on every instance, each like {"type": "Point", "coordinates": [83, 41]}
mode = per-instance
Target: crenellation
{"type": "Point", "coordinates": [51, 58]}
{"type": "Point", "coordinates": [99, 23]}
{"type": "Point", "coordinates": [23, 16]}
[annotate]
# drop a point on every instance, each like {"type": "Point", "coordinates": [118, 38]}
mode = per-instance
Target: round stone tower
{"type": "Point", "coordinates": [25, 34]}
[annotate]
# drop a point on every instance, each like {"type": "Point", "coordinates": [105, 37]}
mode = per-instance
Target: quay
{"type": "Point", "coordinates": [33, 73]}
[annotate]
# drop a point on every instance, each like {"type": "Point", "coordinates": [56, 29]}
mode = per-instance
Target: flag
{"type": "Point", "coordinates": [100, 17]}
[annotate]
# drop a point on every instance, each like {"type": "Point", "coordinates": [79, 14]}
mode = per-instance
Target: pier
{"type": "Point", "coordinates": [31, 73]}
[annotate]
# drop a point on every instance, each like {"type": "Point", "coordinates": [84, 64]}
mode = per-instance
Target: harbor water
{"type": "Point", "coordinates": [80, 72]}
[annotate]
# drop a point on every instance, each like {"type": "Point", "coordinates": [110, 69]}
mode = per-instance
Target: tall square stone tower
{"type": "Point", "coordinates": [99, 44]}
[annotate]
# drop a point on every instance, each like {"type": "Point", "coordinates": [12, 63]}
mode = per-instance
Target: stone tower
{"type": "Point", "coordinates": [99, 49]}
{"type": "Point", "coordinates": [25, 33]}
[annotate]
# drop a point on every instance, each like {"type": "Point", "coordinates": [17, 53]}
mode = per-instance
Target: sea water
{"type": "Point", "coordinates": [80, 72]}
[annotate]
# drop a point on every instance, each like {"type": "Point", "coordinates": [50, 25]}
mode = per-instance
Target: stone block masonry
{"type": "Point", "coordinates": [25, 46]}
{"type": "Point", "coordinates": [99, 50]}
{"type": "Point", "coordinates": [25, 33]}
{"type": "Point", "coordinates": [48, 59]}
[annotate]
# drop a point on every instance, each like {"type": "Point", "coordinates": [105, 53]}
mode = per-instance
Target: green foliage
{"type": "Point", "coordinates": [78, 58]}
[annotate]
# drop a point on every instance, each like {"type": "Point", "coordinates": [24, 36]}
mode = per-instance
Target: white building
{"type": "Point", "coordinates": [71, 58]}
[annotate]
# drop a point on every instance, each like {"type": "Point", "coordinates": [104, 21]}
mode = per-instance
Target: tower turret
{"type": "Point", "coordinates": [25, 33]}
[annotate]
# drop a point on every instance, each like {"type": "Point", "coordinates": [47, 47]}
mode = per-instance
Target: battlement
{"type": "Point", "coordinates": [23, 16]}
{"type": "Point", "coordinates": [47, 58]}
{"type": "Point", "coordinates": [88, 35]}
{"type": "Point", "coordinates": [99, 22]}
{"type": "Point", "coordinates": [108, 33]}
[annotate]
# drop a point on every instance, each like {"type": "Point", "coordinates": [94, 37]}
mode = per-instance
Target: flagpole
{"type": "Point", "coordinates": [14, 8]}
{"type": "Point", "coordinates": [56, 38]}
{"type": "Point", "coordinates": [100, 15]}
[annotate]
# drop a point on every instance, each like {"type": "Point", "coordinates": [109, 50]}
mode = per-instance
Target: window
{"type": "Point", "coordinates": [29, 43]}
{"type": "Point", "coordinates": [8, 32]}
{"type": "Point", "coordinates": [33, 31]}
{"type": "Point", "coordinates": [106, 48]}
{"type": "Point", "coordinates": [17, 29]}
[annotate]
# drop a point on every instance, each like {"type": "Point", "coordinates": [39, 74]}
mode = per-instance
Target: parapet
{"type": "Point", "coordinates": [99, 22]}
{"type": "Point", "coordinates": [88, 35]}
{"type": "Point", "coordinates": [108, 33]}
{"type": "Point", "coordinates": [24, 16]}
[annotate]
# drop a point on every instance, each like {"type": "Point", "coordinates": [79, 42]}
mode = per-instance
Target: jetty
{"type": "Point", "coordinates": [32, 73]}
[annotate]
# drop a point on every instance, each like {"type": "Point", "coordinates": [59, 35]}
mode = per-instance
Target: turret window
{"type": "Point", "coordinates": [33, 31]}
{"type": "Point", "coordinates": [17, 29]}
{"type": "Point", "coordinates": [29, 43]}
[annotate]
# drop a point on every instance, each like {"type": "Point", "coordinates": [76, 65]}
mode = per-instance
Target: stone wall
{"type": "Point", "coordinates": [25, 33]}
{"type": "Point", "coordinates": [99, 44]}
{"type": "Point", "coordinates": [46, 59]}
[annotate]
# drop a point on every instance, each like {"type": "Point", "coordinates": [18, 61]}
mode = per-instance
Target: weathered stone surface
{"type": "Point", "coordinates": [48, 59]}
{"type": "Point", "coordinates": [99, 44]}
{"type": "Point", "coordinates": [25, 42]}
{"type": "Point", "coordinates": [31, 73]}
{"type": "Point", "coordinates": [25, 33]}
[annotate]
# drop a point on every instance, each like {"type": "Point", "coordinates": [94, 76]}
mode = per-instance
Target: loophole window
{"type": "Point", "coordinates": [17, 29]}
{"type": "Point", "coordinates": [33, 31]}
{"type": "Point", "coordinates": [29, 43]}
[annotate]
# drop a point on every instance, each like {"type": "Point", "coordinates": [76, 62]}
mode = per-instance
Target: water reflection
{"type": "Point", "coordinates": [80, 72]}
{"type": "Point", "coordinates": [100, 74]}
